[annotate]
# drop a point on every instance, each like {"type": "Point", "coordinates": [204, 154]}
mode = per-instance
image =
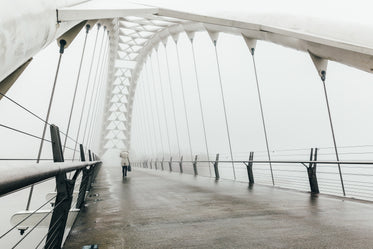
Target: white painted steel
{"type": "Point", "coordinates": [135, 30]}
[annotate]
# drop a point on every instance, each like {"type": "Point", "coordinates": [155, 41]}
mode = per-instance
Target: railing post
{"type": "Point", "coordinates": [195, 165]}
{"type": "Point", "coordinates": [84, 182]}
{"type": "Point", "coordinates": [217, 176]}
{"type": "Point", "coordinates": [151, 163]}
{"type": "Point", "coordinates": [170, 164]}
{"type": "Point", "coordinates": [90, 172]}
{"type": "Point", "coordinates": [90, 155]}
{"type": "Point", "coordinates": [155, 164]}
{"type": "Point", "coordinates": [311, 170]}
{"type": "Point", "coordinates": [249, 167]}
{"type": "Point", "coordinates": [181, 164]}
{"type": "Point", "coordinates": [162, 163]}
{"type": "Point", "coordinates": [64, 196]}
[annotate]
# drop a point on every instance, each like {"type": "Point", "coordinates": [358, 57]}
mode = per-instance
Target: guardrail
{"type": "Point", "coordinates": [15, 178]}
{"type": "Point", "coordinates": [356, 176]}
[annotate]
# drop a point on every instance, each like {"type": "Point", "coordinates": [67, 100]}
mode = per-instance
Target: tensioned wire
{"type": "Point", "coordinates": [101, 96]}
{"type": "Point", "coordinates": [163, 103]}
{"type": "Point", "coordinates": [156, 106]}
{"type": "Point", "coordinates": [151, 106]}
{"type": "Point", "coordinates": [96, 98]}
{"type": "Point", "coordinates": [225, 109]}
{"type": "Point", "coordinates": [142, 131]}
{"type": "Point", "coordinates": [61, 50]}
{"type": "Point", "coordinates": [94, 85]}
{"type": "Point", "coordinates": [172, 99]}
{"type": "Point", "coordinates": [200, 105]}
{"type": "Point", "coordinates": [76, 87]}
{"type": "Point", "coordinates": [332, 130]}
{"type": "Point", "coordinates": [184, 102]}
{"type": "Point", "coordinates": [86, 90]}
{"type": "Point", "coordinates": [32, 113]}
{"type": "Point", "coordinates": [140, 123]}
{"type": "Point", "coordinates": [150, 139]}
{"type": "Point", "coordinates": [262, 113]}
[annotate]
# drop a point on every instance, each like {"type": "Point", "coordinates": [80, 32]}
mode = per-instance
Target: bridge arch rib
{"type": "Point", "coordinates": [133, 38]}
{"type": "Point", "coordinates": [137, 29]}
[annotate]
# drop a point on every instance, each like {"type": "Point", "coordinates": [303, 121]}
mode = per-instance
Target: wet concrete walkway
{"type": "Point", "coordinates": [154, 209]}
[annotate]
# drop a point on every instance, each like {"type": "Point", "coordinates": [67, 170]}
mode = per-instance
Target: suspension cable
{"type": "Point", "coordinates": [28, 216]}
{"type": "Point", "coordinates": [172, 100]}
{"type": "Point", "coordinates": [323, 73]}
{"type": "Point", "coordinates": [31, 112]}
{"type": "Point", "coordinates": [164, 105]}
{"type": "Point", "coordinates": [225, 110]}
{"type": "Point", "coordinates": [76, 87]}
{"type": "Point", "coordinates": [147, 104]}
{"type": "Point", "coordinates": [38, 223]}
{"type": "Point", "coordinates": [98, 106]}
{"type": "Point", "coordinates": [146, 119]}
{"type": "Point", "coordinates": [262, 114]}
{"type": "Point", "coordinates": [96, 98]}
{"type": "Point", "coordinates": [144, 124]}
{"type": "Point", "coordinates": [184, 102]}
{"type": "Point", "coordinates": [156, 106]}
{"type": "Point", "coordinates": [200, 104]}
{"type": "Point", "coordinates": [23, 132]}
{"type": "Point", "coordinates": [86, 90]}
{"type": "Point", "coordinates": [62, 48]}
{"type": "Point", "coordinates": [94, 86]}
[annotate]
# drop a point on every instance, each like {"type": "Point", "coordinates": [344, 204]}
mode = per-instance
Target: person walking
{"type": "Point", "coordinates": [125, 162]}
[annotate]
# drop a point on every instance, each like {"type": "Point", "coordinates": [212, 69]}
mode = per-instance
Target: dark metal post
{"type": "Point", "coordinates": [64, 196]}
{"type": "Point", "coordinates": [195, 165]}
{"type": "Point", "coordinates": [84, 182]}
{"type": "Point", "coordinates": [162, 164]}
{"type": "Point", "coordinates": [82, 155]}
{"type": "Point", "coordinates": [170, 164]}
{"type": "Point", "coordinates": [217, 176]}
{"type": "Point", "coordinates": [249, 167]}
{"type": "Point", "coordinates": [151, 164]}
{"type": "Point", "coordinates": [90, 155]}
{"type": "Point", "coordinates": [181, 164]}
{"type": "Point", "coordinates": [155, 163]}
{"type": "Point", "coordinates": [311, 170]}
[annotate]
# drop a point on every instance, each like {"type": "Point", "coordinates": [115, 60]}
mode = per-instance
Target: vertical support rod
{"type": "Point", "coordinates": [184, 102]}
{"type": "Point", "coordinates": [262, 114]}
{"type": "Point", "coordinates": [200, 106]}
{"type": "Point", "coordinates": [162, 164]}
{"type": "Point", "coordinates": [217, 176]}
{"type": "Point", "coordinates": [62, 49]}
{"type": "Point", "coordinates": [76, 86]}
{"type": "Point", "coordinates": [323, 77]}
{"type": "Point", "coordinates": [225, 109]}
{"type": "Point", "coordinates": [172, 100]}
{"type": "Point", "coordinates": [86, 91]}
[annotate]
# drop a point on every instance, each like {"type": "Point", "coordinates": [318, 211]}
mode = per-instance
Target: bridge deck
{"type": "Point", "coordinates": [154, 209]}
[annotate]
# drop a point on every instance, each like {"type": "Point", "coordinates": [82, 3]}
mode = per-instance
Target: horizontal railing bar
{"type": "Point", "coordinates": [279, 162]}
{"type": "Point", "coordinates": [16, 177]}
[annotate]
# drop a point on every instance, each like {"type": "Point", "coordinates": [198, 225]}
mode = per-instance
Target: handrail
{"type": "Point", "coordinates": [17, 177]}
{"type": "Point", "coordinates": [272, 161]}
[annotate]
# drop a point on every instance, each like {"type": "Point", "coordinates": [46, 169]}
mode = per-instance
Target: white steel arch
{"type": "Point", "coordinates": [135, 30]}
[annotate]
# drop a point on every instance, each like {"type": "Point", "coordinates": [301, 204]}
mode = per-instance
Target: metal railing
{"type": "Point", "coordinates": [314, 175]}
{"type": "Point", "coordinates": [14, 178]}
